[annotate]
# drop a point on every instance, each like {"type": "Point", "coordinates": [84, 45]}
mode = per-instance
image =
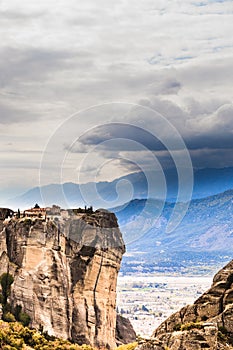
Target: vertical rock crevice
{"type": "Point", "coordinates": [97, 311]}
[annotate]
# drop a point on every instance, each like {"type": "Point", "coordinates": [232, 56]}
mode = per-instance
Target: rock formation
{"type": "Point", "coordinates": [207, 324]}
{"type": "Point", "coordinates": [125, 333]}
{"type": "Point", "coordinates": [65, 273]}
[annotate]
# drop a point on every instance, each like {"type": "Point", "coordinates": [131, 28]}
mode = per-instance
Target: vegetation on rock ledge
{"type": "Point", "coordinates": [14, 336]}
{"type": "Point", "coordinates": [9, 313]}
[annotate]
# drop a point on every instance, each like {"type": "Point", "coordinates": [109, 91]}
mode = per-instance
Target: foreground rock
{"type": "Point", "coordinates": [125, 333]}
{"type": "Point", "coordinates": [207, 324]}
{"type": "Point", "coordinates": [65, 273]}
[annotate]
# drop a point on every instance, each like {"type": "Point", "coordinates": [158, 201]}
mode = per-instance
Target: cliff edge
{"type": "Point", "coordinates": [65, 273]}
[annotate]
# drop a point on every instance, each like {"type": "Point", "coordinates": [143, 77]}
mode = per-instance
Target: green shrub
{"type": "Point", "coordinates": [14, 336]}
{"type": "Point", "coordinates": [8, 317]}
{"type": "Point", "coordinates": [187, 326]}
{"type": "Point", "coordinates": [20, 316]}
{"type": "Point", "coordinates": [222, 329]}
{"type": "Point", "coordinates": [222, 336]}
{"type": "Point", "coordinates": [130, 346]}
{"type": "Point", "coordinates": [177, 327]}
{"type": "Point", "coordinates": [191, 325]}
{"type": "Point", "coordinates": [17, 311]}
{"type": "Point", "coordinates": [6, 281]}
{"type": "Point", "coordinates": [24, 319]}
{"type": "Point", "coordinates": [6, 308]}
{"type": "Point", "coordinates": [48, 337]}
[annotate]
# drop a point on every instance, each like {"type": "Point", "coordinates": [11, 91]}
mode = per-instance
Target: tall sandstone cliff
{"type": "Point", "coordinates": [65, 273]}
{"type": "Point", "coordinates": [207, 324]}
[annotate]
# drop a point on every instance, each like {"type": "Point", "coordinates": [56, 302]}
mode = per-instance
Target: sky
{"type": "Point", "coordinates": [77, 79]}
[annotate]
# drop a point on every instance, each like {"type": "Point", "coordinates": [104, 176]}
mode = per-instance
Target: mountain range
{"type": "Point", "coordinates": [207, 182]}
{"type": "Point", "coordinates": [204, 237]}
{"type": "Point", "coordinates": [205, 234]}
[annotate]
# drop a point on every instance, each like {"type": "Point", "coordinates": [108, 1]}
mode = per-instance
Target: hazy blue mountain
{"type": "Point", "coordinates": [205, 234]}
{"type": "Point", "coordinates": [207, 182]}
{"type": "Point", "coordinates": [75, 195]}
{"type": "Point", "coordinates": [207, 225]}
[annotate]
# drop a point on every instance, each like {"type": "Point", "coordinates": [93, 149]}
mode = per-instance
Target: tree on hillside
{"type": "Point", "coordinates": [36, 206]}
{"type": "Point", "coordinates": [6, 280]}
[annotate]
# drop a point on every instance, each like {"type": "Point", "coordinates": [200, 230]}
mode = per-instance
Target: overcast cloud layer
{"type": "Point", "coordinates": [60, 57]}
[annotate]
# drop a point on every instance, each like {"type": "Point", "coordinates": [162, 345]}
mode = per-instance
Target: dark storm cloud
{"type": "Point", "coordinates": [204, 134]}
{"type": "Point", "coordinates": [211, 140]}
{"type": "Point", "coordinates": [200, 131]}
{"type": "Point", "coordinates": [121, 131]}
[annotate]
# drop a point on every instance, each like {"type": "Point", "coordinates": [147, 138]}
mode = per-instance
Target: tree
{"type": "Point", "coordinates": [21, 316]}
{"type": "Point", "coordinates": [36, 206]}
{"type": "Point", "coordinates": [17, 311]}
{"type": "Point", "coordinates": [6, 281]}
{"type": "Point", "coordinates": [25, 319]}
{"type": "Point", "coordinates": [11, 314]}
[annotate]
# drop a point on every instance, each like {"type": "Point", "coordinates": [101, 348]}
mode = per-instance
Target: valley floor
{"type": "Point", "coordinates": [149, 300]}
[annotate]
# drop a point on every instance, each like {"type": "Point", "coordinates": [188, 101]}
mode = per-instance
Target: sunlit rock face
{"type": "Point", "coordinates": [207, 324]}
{"type": "Point", "coordinates": [65, 273]}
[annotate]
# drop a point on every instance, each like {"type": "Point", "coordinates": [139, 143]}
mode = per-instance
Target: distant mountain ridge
{"type": "Point", "coordinates": [203, 214]}
{"type": "Point", "coordinates": [207, 182]}
{"type": "Point", "coordinates": [204, 235]}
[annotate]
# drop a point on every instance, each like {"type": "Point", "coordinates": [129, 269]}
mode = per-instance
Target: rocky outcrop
{"type": "Point", "coordinates": [195, 339]}
{"type": "Point", "coordinates": [207, 324]}
{"type": "Point", "coordinates": [125, 333]}
{"type": "Point", "coordinates": [5, 213]}
{"type": "Point", "coordinates": [65, 273]}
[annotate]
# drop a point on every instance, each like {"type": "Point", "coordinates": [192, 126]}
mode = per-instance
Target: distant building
{"type": "Point", "coordinates": [35, 212]}
{"type": "Point", "coordinates": [51, 213]}
{"type": "Point", "coordinates": [55, 210]}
